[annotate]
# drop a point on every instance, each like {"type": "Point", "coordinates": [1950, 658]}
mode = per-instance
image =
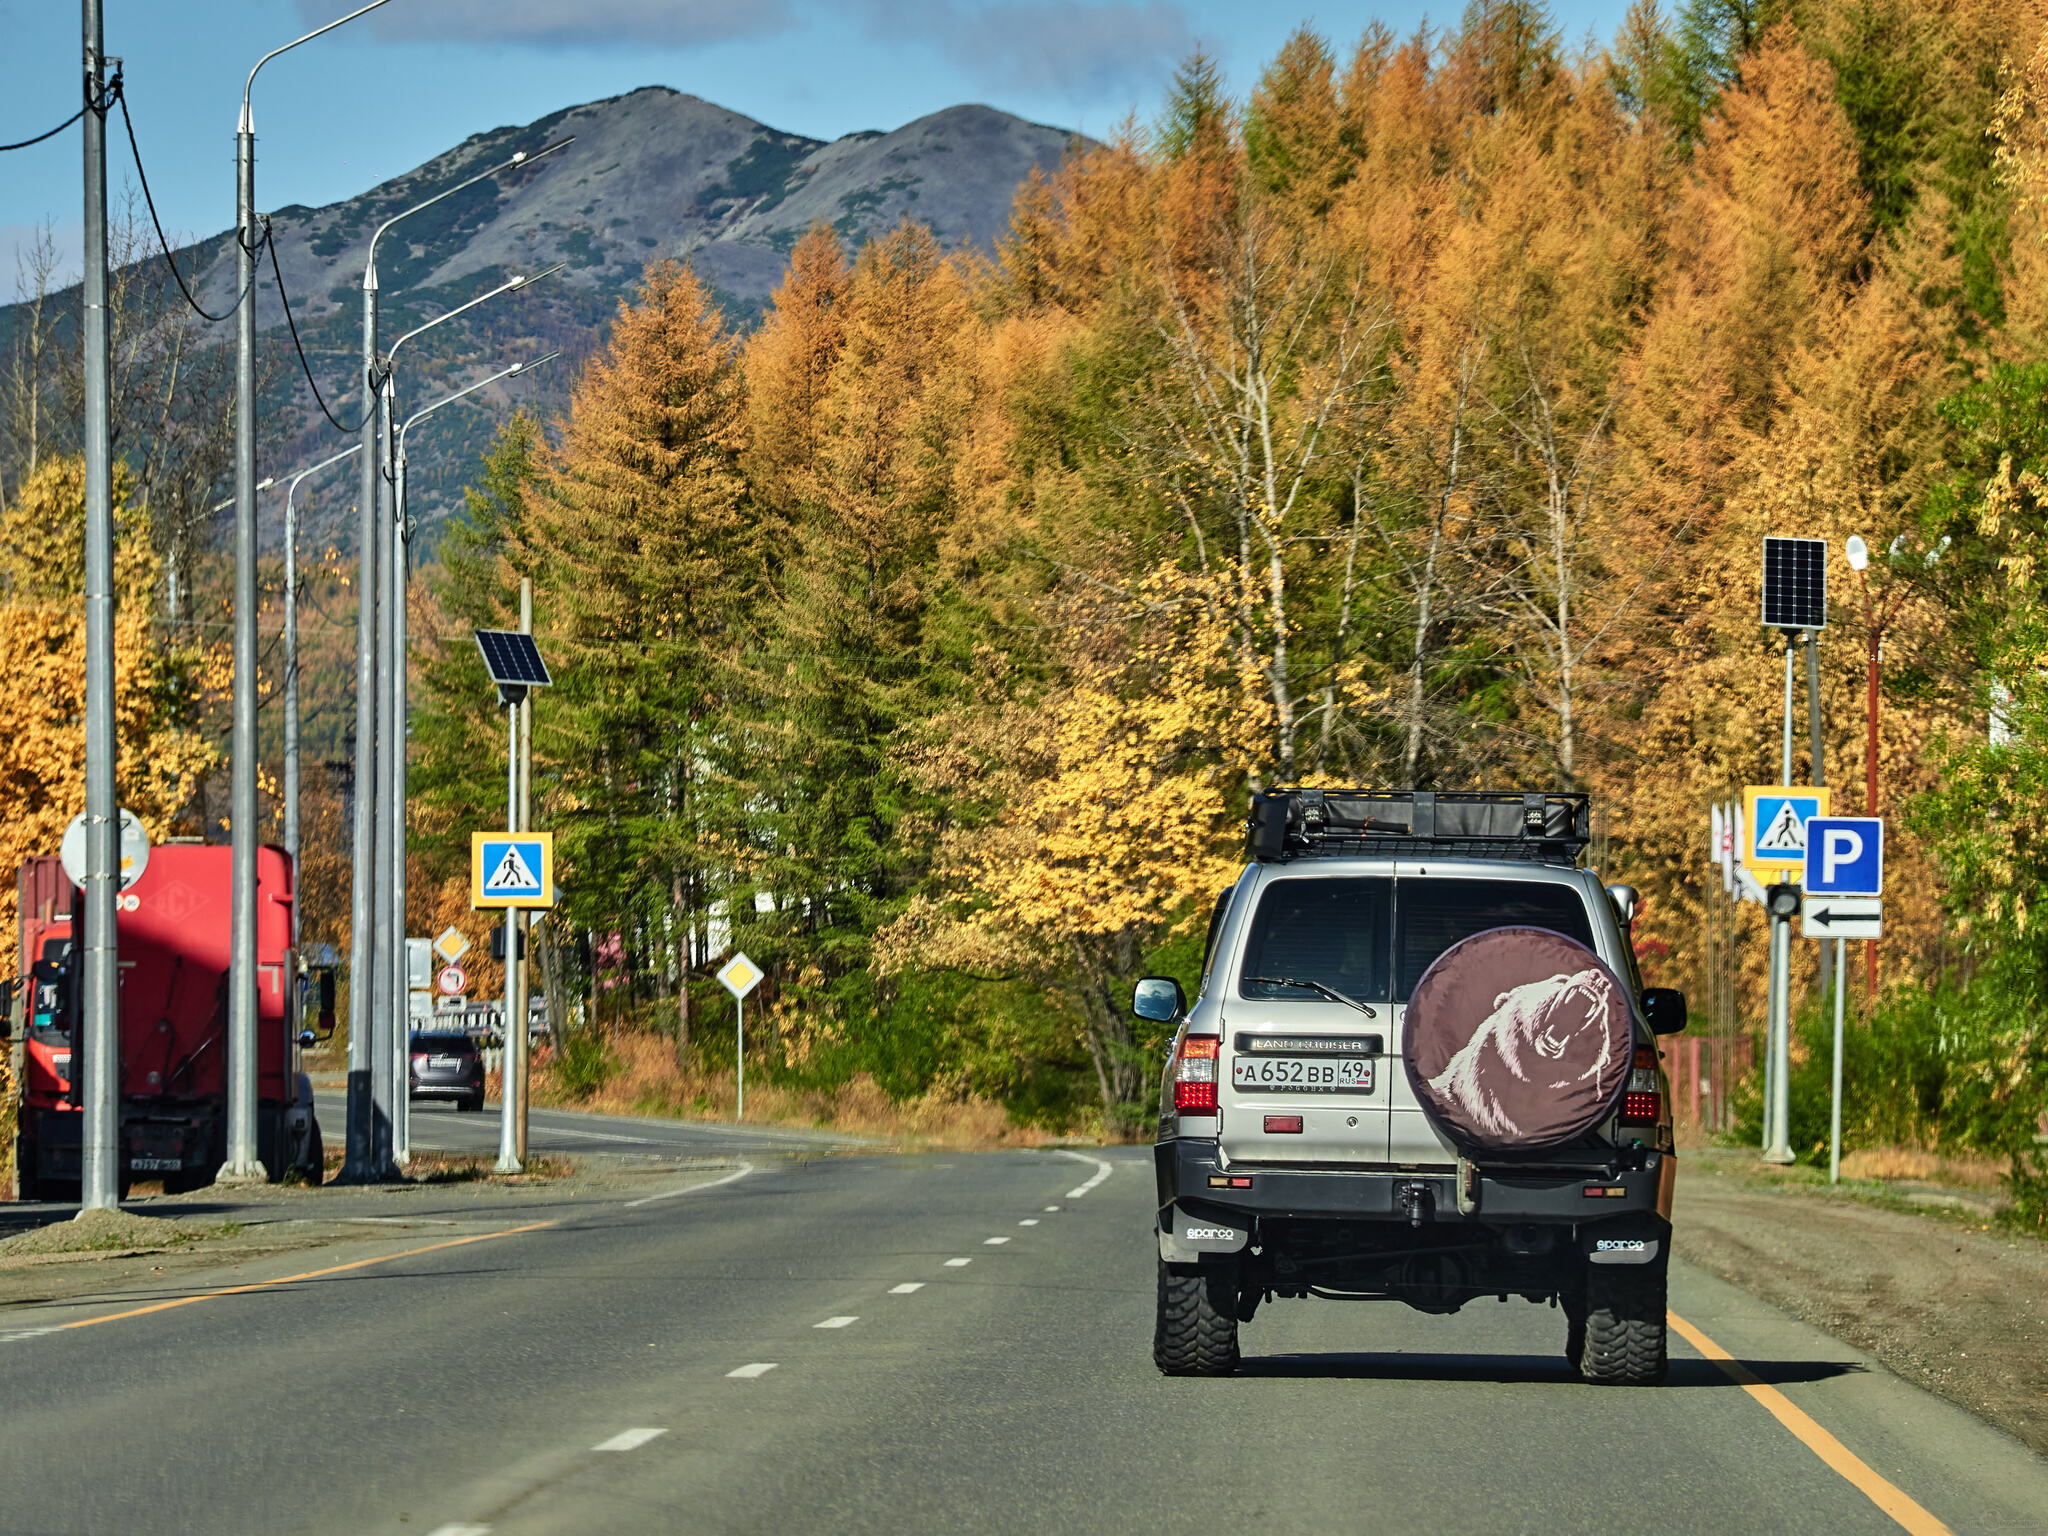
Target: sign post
{"type": "Point", "coordinates": [515, 665]}
{"type": "Point", "coordinates": [1775, 818]}
{"type": "Point", "coordinates": [515, 872]}
{"type": "Point", "coordinates": [1844, 884]}
{"type": "Point", "coordinates": [739, 976]}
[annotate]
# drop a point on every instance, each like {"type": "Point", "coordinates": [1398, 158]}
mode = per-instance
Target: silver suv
{"type": "Point", "coordinates": [1299, 1155]}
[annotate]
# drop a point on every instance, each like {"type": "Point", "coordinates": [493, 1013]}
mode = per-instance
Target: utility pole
{"type": "Point", "coordinates": [361, 1164]}
{"type": "Point", "coordinates": [398, 569]}
{"type": "Point", "coordinates": [100, 1168]}
{"type": "Point", "coordinates": [1831, 949]}
{"type": "Point", "coordinates": [389, 966]}
{"type": "Point", "coordinates": [242, 1161]}
{"type": "Point", "coordinates": [516, 1035]}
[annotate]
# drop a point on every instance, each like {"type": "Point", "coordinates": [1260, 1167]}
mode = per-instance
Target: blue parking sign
{"type": "Point", "coordinates": [1845, 856]}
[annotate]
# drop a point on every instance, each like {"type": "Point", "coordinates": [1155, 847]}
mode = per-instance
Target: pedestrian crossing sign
{"type": "Point", "coordinates": [1774, 829]}
{"type": "Point", "coordinates": [512, 869]}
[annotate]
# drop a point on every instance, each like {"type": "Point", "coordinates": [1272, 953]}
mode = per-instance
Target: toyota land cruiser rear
{"type": "Point", "coordinates": [1300, 1154]}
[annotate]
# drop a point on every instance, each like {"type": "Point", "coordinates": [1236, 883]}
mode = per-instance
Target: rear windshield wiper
{"type": "Point", "coordinates": [1310, 986]}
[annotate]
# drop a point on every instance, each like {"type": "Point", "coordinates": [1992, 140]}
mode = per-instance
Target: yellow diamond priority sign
{"type": "Point", "coordinates": [740, 975]}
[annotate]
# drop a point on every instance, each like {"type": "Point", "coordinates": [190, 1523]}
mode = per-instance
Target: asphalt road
{"type": "Point", "coordinates": [915, 1344]}
{"type": "Point", "coordinates": [438, 1126]}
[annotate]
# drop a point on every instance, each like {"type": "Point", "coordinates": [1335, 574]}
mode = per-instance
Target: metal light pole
{"type": "Point", "coordinates": [390, 1069]}
{"type": "Point", "coordinates": [402, 535]}
{"type": "Point", "coordinates": [100, 1166]}
{"type": "Point", "coordinates": [243, 1163]}
{"type": "Point", "coordinates": [365, 1133]}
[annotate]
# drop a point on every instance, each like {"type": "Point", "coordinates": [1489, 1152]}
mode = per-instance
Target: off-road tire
{"type": "Point", "coordinates": [1624, 1329]}
{"type": "Point", "coordinates": [1196, 1333]}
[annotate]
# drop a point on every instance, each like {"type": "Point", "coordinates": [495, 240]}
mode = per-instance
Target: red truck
{"type": "Point", "coordinates": [173, 936]}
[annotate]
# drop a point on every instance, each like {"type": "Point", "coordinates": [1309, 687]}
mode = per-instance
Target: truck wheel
{"type": "Point", "coordinates": [1623, 1342]}
{"type": "Point", "coordinates": [315, 1168]}
{"type": "Point", "coordinates": [1196, 1333]}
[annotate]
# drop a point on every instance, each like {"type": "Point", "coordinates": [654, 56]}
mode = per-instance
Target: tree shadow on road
{"type": "Point", "coordinates": [1509, 1369]}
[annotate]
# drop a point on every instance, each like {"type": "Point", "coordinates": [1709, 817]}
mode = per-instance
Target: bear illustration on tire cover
{"type": "Point", "coordinates": [1517, 1039]}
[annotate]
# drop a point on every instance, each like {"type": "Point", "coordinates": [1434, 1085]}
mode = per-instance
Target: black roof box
{"type": "Point", "coordinates": [1544, 826]}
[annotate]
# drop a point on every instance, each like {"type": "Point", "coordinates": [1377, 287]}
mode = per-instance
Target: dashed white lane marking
{"type": "Point", "coordinates": [629, 1439]}
{"type": "Point", "coordinates": [1028, 1221]}
{"type": "Point", "coordinates": [18, 1334]}
{"type": "Point", "coordinates": [670, 1194]}
{"type": "Point", "coordinates": [993, 1242]}
{"type": "Point", "coordinates": [460, 1530]}
{"type": "Point", "coordinates": [1102, 1171]}
{"type": "Point", "coordinates": [638, 1141]}
{"type": "Point", "coordinates": [958, 1263]}
{"type": "Point", "coordinates": [906, 1288]}
{"type": "Point", "coordinates": [836, 1322]}
{"type": "Point", "coordinates": [1050, 1209]}
{"type": "Point", "coordinates": [749, 1372]}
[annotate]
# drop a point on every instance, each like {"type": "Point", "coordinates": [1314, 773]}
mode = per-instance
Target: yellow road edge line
{"type": "Point", "coordinates": [311, 1274]}
{"type": "Point", "coordinates": [1839, 1458]}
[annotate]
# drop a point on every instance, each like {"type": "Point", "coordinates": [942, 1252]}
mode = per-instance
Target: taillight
{"type": "Point", "coordinates": [1641, 1104]}
{"type": "Point", "coordinates": [1194, 1075]}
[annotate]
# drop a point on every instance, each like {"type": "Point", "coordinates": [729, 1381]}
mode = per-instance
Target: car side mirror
{"type": "Point", "coordinates": [1158, 998]}
{"type": "Point", "coordinates": [326, 1024]}
{"type": "Point", "coordinates": [306, 1038]}
{"type": "Point", "coordinates": [1664, 1010]}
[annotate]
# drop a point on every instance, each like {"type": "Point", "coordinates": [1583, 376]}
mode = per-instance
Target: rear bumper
{"type": "Point", "coordinates": [1189, 1173]}
{"type": "Point", "coordinates": [448, 1090]}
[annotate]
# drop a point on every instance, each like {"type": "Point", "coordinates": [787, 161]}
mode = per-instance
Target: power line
{"type": "Point", "coordinates": [304, 366]}
{"type": "Point", "coordinates": [163, 241]}
{"type": "Point", "coordinates": [25, 143]}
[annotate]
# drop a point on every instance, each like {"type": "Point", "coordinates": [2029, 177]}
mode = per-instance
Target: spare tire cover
{"type": "Point", "coordinates": [1516, 1039]}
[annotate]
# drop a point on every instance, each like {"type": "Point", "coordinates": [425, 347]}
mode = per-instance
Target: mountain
{"type": "Point", "coordinates": [651, 174]}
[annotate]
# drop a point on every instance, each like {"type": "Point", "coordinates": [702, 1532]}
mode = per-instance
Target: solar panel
{"type": "Point", "coordinates": [512, 658]}
{"type": "Point", "coordinates": [1795, 583]}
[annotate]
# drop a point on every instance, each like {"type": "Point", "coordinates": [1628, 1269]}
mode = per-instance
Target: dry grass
{"type": "Point", "coordinates": [1907, 1165]}
{"type": "Point", "coordinates": [110, 1232]}
{"type": "Point", "coordinates": [646, 1080]}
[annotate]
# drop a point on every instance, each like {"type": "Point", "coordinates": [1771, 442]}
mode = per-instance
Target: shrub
{"type": "Point", "coordinates": [583, 1065]}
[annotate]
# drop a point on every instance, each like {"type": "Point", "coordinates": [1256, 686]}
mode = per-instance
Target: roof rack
{"type": "Point", "coordinates": [1551, 827]}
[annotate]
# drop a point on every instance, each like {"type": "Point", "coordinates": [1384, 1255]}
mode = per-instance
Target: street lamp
{"type": "Point", "coordinates": [388, 921]}
{"type": "Point", "coordinates": [401, 565]}
{"type": "Point", "coordinates": [243, 1164]}
{"type": "Point", "coordinates": [366, 1158]}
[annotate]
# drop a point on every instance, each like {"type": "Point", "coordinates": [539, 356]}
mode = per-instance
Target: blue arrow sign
{"type": "Point", "coordinates": [1845, 856]}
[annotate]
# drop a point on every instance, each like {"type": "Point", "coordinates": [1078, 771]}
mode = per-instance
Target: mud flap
{"type": "Point", "coordinates": [1629, 1240]}
{"type": "Point", "coordinates": [1184, 1239]}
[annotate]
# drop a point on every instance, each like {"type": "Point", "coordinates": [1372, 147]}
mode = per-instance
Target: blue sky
{"type": "Point", "coordinates": [386, 92]}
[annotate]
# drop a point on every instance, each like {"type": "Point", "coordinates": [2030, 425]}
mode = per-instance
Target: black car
{"type": "Point", "coordinates": [448, 1067]}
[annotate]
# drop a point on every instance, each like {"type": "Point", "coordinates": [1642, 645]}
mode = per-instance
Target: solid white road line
{"type": "Point", "coordinates": [743, 1171]}
{"type": "Point", "coordinates": [836, 1322]}
{"type": "Point", "coordinates": [460, 1530]}
{"type": "Point", "coordinates": [993, 1242]}
{"type": "Point", "coordinates": [629, 1439]}
{"type": "Point", "coordinates": [750, 1372]}
{"type": "Point", "coordinates": [958, 1263]}
{"type": "Point", "coordinates": [906, 1288]}
{"type": "Point", "coordinates": [638, 1141]}
{"type": "Point", "coordinates": [1102, 1171]}
{"type": "Point", "coordinates": [1028, 1221]}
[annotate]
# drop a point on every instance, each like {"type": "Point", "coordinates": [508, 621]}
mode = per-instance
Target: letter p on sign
{"type": "Point", "coordinates": [1845, 856]}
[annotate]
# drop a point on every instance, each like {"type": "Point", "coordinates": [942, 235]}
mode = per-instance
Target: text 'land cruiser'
{"type": "Point", "coordinates": [1420, 1066]}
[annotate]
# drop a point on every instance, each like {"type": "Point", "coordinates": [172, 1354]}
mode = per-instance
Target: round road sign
{"type": "Point", "coordinates": [451, 981]}
{"type": "Point", "coordinates": [133, 854]}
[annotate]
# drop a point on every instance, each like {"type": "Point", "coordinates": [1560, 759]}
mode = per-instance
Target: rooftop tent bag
{"type": "Point", "coordinates": [1517, 1039]}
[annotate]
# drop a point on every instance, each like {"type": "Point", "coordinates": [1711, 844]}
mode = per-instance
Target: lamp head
{"type": "Point", "coordinates": [1857, 551]}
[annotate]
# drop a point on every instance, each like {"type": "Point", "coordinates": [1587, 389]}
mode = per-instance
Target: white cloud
{"type": "Point", "coordinates": [1071, 48]}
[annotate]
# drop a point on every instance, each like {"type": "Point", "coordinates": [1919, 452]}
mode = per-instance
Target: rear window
{"type": "Point", "coordinates": [1336, 932]}
{"type": "Point", "coordinates": [1435, 914]}
{"type": "Point", "coordinates": [445, 1045]}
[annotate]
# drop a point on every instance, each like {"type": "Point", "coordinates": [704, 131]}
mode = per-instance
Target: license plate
{"type": "Point", "coordinates": [445, 1063]}
{"type": "Point", "coordinates": [156, 1164]}
{"type": "Point", "coordinates": [1301, 1074]}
